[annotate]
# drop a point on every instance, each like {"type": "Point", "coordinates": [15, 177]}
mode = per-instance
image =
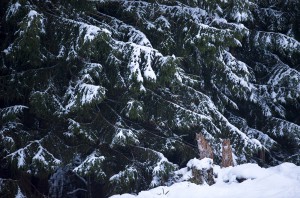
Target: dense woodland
{"type": "Point", "coordinates": [105, 97]}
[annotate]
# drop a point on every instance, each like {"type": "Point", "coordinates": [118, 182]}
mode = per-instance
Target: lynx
{"type": "Point", "coordinates": [226, 153]}
{"type": "Point", "coordinates": [204, 148]}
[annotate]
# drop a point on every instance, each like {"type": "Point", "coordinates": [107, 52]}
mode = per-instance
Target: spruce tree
{"type": "Point", "coordinates": [105, 97]}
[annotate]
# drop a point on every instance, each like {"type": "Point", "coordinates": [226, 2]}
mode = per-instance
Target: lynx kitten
{"type": "Point", "coordinates": [204, 148]}
{"type": "Point", "coordinates": [226, 154]}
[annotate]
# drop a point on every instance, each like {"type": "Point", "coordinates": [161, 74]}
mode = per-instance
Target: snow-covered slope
{"type": "Point", "coordinates": [282, 181]}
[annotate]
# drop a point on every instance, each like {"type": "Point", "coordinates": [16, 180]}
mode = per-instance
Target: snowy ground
{"type": "Point", "coordinates": [281, 181]}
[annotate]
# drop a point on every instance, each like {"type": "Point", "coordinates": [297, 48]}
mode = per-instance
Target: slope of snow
{"type": "Point", "coordinates": [282, 181]}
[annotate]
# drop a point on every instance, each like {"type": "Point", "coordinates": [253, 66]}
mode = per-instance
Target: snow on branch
{"type": "Point", "coordinates": [124, 136]}
{"type": "Point", "coordinates": [91, 165]}
{"type": "Point", "coordinates": [84, 91]}
{"type": "Point", "coordinates": [161, 170]}
{"type": "Point", "coordinates": [89, 32]}
{"type": "Point", "coordinates": [286, 77]}
{"type": "Point", "coordinates": [12, 110]}
{"type": "Point", "coordinates": [274, 41]}
{"type": "Point", "coordinates": [283, 128]}
{"type": "Point", "coordinates": [33, 154]}
{"type": "Point", "coordinates": [32, 21]}
{"type": "Point", "coordinates": [13, 9]}
{"type": "Point", "coordinates": [236, 82]}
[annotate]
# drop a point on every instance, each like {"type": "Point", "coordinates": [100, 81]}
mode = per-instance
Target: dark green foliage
{"type": "Point", "coordinates": [107, 96]}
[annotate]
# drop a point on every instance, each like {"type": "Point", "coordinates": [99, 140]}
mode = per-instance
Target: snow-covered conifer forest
{"type": "Point", "coordinates": [104, 97]}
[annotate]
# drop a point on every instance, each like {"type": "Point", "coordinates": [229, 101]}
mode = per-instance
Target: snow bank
{"type": "Point", "coordinates": [205, 163]}
{"type": "Point", "coordinates": [241, 172]}
{"type": "Point", "coordinates": [282, 181]}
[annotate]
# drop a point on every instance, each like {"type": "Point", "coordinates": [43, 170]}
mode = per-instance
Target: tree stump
{"type": "Point", "coordinates": [202, 171]}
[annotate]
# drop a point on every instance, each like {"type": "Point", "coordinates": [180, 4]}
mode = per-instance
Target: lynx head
{"type": "Point", "coordinates": [226, 143]}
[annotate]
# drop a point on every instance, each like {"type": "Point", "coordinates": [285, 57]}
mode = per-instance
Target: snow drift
{"type": "Point", "coordinates": [246, 180]}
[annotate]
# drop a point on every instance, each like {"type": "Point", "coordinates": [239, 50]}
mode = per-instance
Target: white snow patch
{"type": "Point", "coordinates": [21, 158]}
{"type": "Point", "coordinates": [241, 16]}
{"type": "Point", "coordinates": [91, 31]}
{"type": "Point", "coordinates": [90, 92]}
{"type": "Point", "coordinates": [91, 160]}
{"type": "Point", "coordinates": [13, 9]}
{"type": "Point", "coordinates": [12, 110]}
{"type": "Point", "coordinates": [20, 194]}
{"type": "Point", "coordinates": [205, 163]}
{"type": "Point", "coordinates": [31, 17]}
{"type": "Point", "coordinates": [32, 14]}
{"type": "Point", "coordinates": [42, 153]}
{"type": "Point", "coordinates": [123, 135]}
{"type": "Point", "coordinates": [282, 181]}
